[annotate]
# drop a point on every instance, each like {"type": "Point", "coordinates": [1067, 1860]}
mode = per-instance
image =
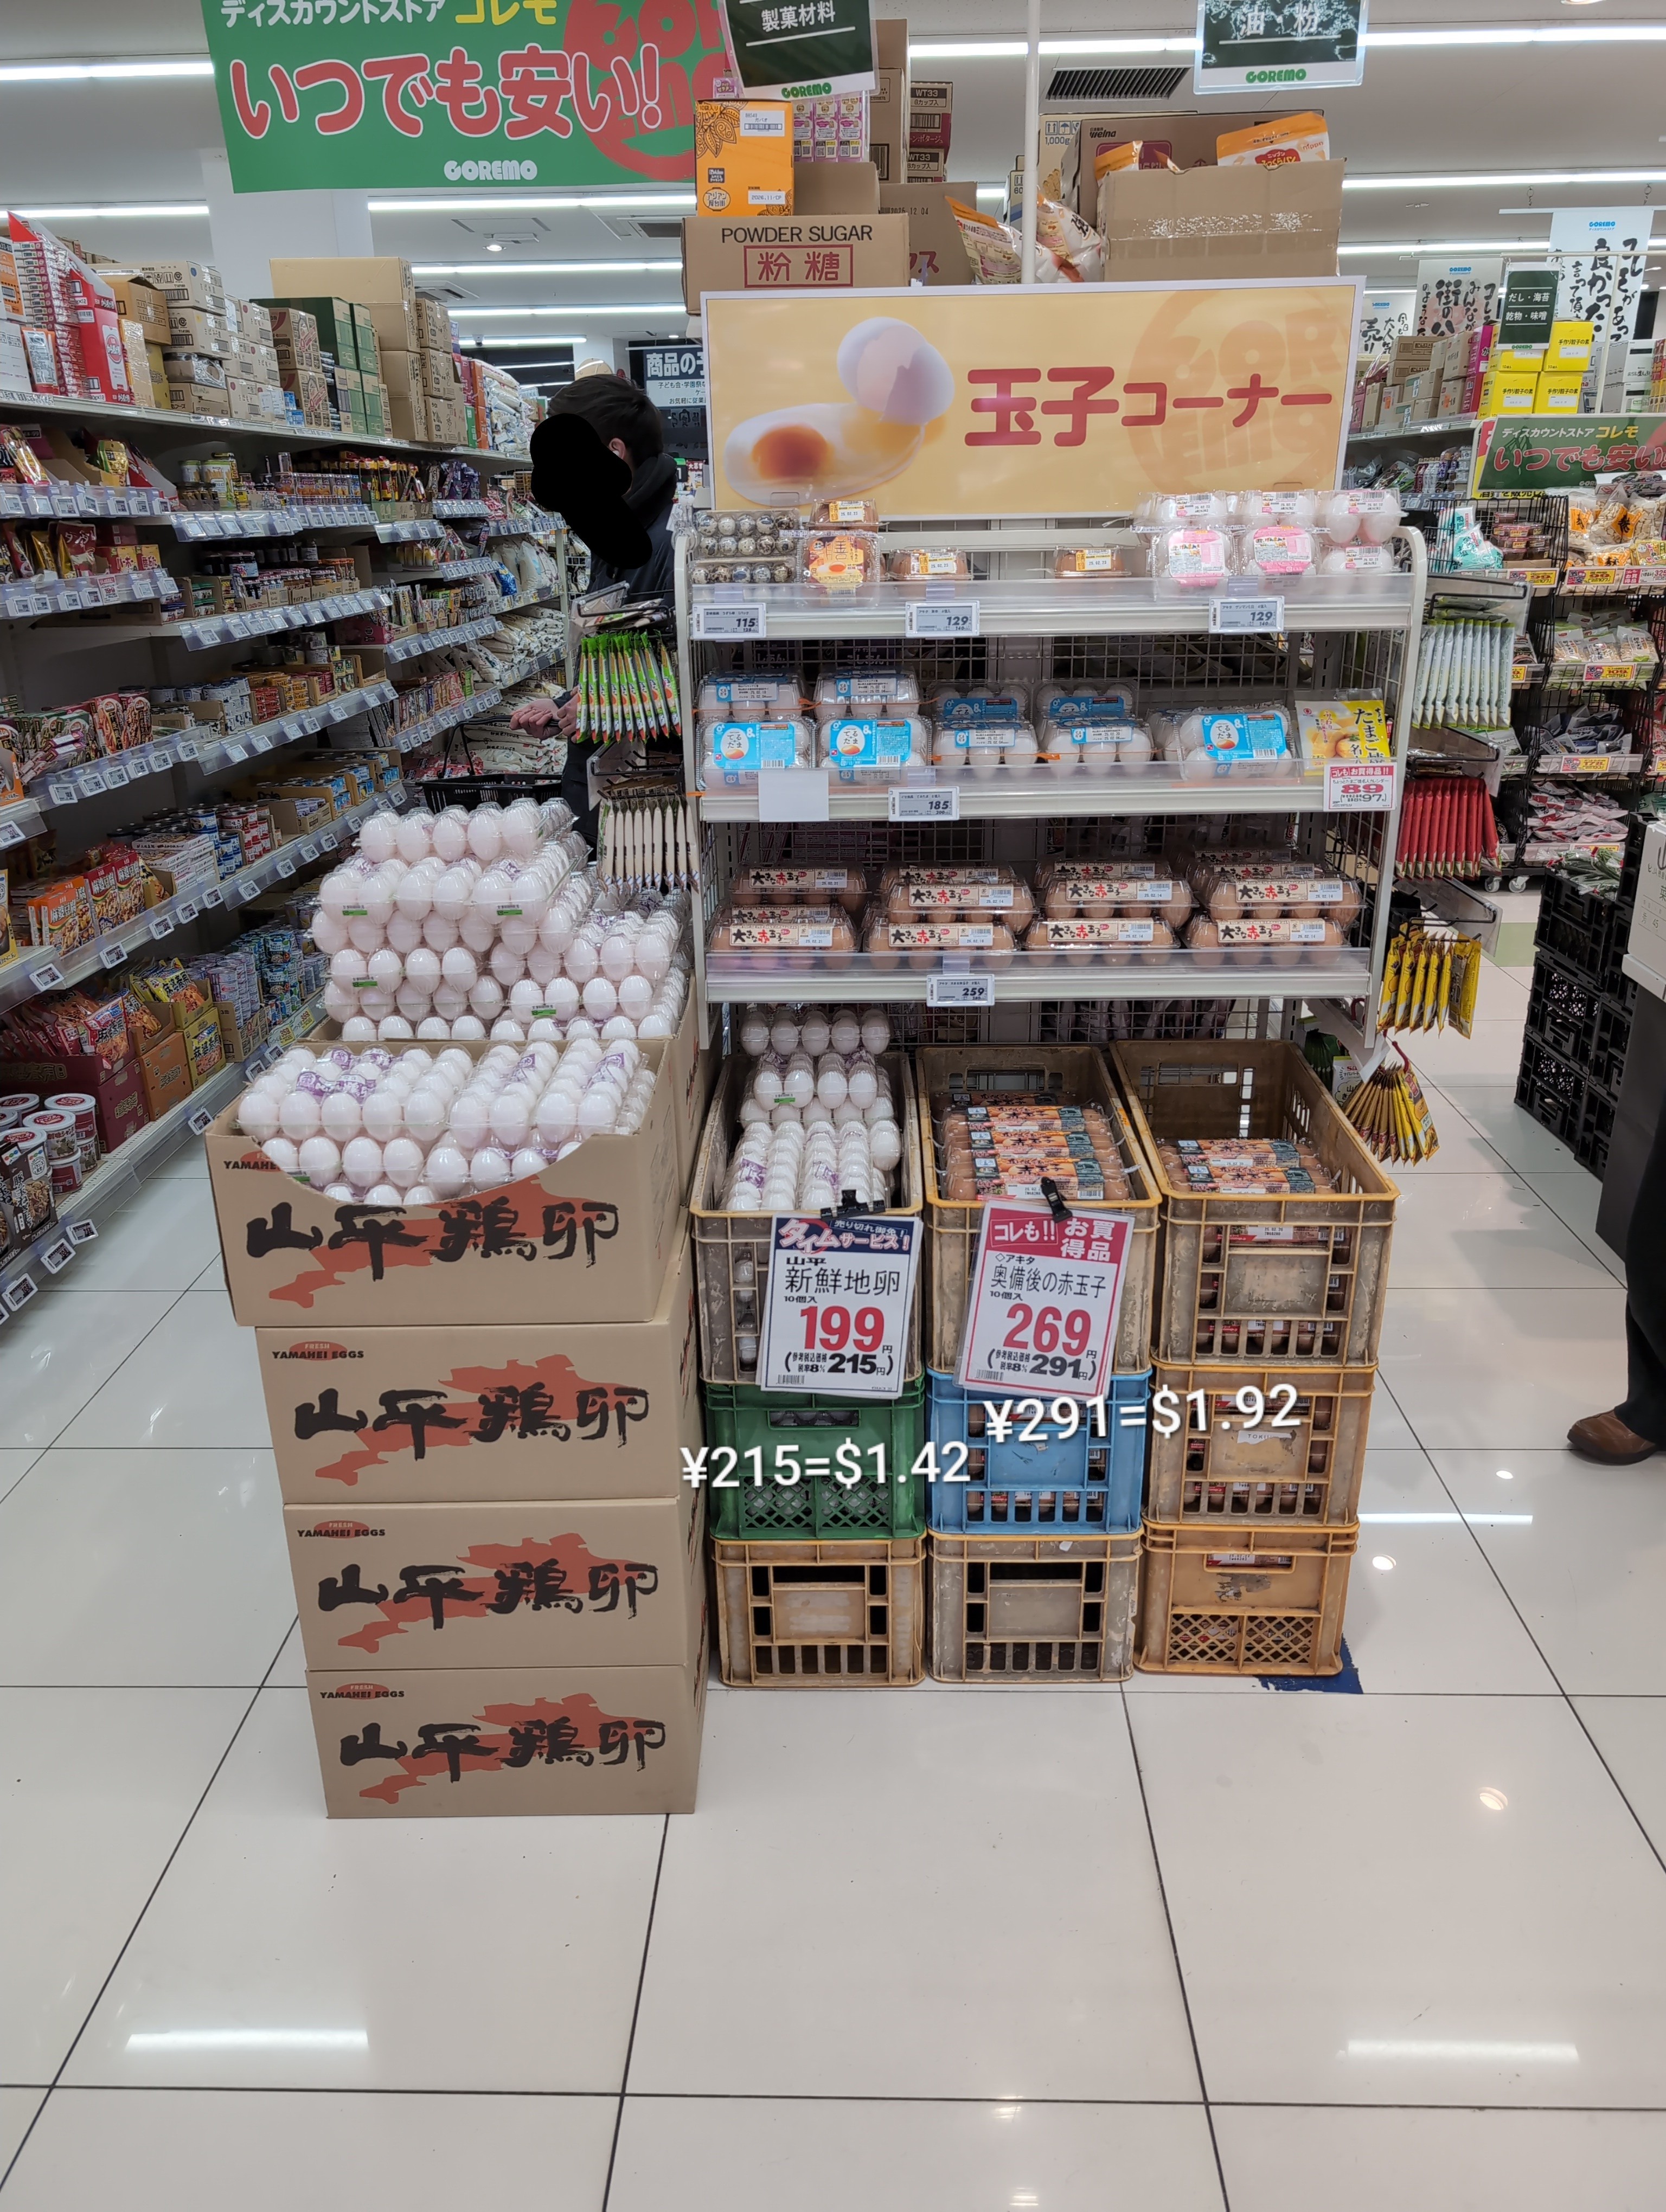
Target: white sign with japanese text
{"type": "Point", "coordinates": [840, 1294]}
{"type": "Point", "coordinates": [1044, 1299]}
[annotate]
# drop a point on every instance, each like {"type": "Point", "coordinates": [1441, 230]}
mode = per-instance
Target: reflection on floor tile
{"type": "Point", "coordinates": [1485, 1229]}
{"type": "Point", "coordinates": [752, 2154]}
{"type": "Point", "coordinates": [1491, 1110]}
{"type": "Point", "coordinates": [54, 1354]}
{"type": "Point", "coordinates": [810, 1800]}
{"type": "Point", "coordinates": [181, 1575]}
{"type": "Point", "coordinates": [176, 2151]}
{"type": "Point", "coordinates": [1501, 1368]}
{"type": "Point", "coordinates": [1582, 1551]}
{"type": "Point", "coordinates": [100, 1784]}
{"type": "Point", "coordinates": [198, 1382]}
{"type": "Point", "coordinates": [286, 1951]}
{"type": "Point", "coordinates": [1313, 2161]}
{"type": "Point", "coordinates": [1493, 1926]}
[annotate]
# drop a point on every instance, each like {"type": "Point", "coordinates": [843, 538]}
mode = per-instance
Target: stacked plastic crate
{"type": "Point", "coordinates": [1034, 1499]}
{"type": "Point", "coordinates": [1265, 1336]}
{"type": "Point", "coordinates": [817, 1519]}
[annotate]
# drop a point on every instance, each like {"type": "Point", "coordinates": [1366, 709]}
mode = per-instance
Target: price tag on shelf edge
{"type": "Point", "coordinates": [200, 1121]}
{"type": "Point", "coordinates": [112, 955]}
{"type": "Point", "coordinates": [11, 833]}
{"type": "Point", "coordinates": [56, 1257]}
{"type": "Point", "coordinates": [949, 989]}
{"type": "Point", "coordinates": [747, 620]}
{"type": "Point", "coordinates": [19, 1293]}
{"type": "Point", "coordinates": [839, 1296]}
{"type": "Point", "coordinates": [1360, 787]}
{"type": "Point", "coordinates": [83, 1232]}
{"type": "Point", "coordinates": [1045, 1293]}
{"type": "Point", "coordinates": [942, 619]}
{"type": "Point", "coordinates": [924, 802]}
{"type": "Point", "coordinates": [47, 976]}
{"type": "Point", "coordinates": [1246, 614]}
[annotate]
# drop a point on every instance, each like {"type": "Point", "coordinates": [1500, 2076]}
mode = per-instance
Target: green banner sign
{"type": "Point", "coordinates": [803, 52]}
{"type": "Point", "coordinates": [404, 94]}
{"type": "Point", "coordinates": [1555, 453]}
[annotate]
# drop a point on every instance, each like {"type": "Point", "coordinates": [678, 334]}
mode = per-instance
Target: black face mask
{"type": "Point", "coordinates": [575, 477]}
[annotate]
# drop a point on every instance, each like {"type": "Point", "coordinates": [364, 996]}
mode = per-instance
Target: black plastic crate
{"type": "Point", "coordinates": [1562, 1011]}
{"type": "Point", "coordinates": [1611, 1040]}
{"type": "Point", "coordinates": [1591, 1141]}
{"type": "Point", "coordinates": [1550, 1089]}
{"type": "Point", "coordinates": [1583, 933]}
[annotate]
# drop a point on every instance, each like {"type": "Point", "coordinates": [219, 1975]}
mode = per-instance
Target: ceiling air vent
{"type": "Point", "coordinates": [635, 228]}
{"type": "Point", "coordinates": [1115, 84]}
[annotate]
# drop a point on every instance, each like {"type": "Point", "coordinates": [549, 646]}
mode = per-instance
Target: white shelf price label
{"type": "Point", "coordinates": [112, 955]}
{"type": "Point", "coordinates": [63, 793]}
{"type": "Point", "coordinates": [83, 1232]}
{"type": "Point", "coordinates": [1360, 787]}
{"type": "Point", "coordinates": [11, 833]}
{"type": "Point", "coordinates": [187, 910]}
{"type": "Point", "coordinates": [924, 802]}
{"type": "Point", "coordinates": [840, 1292]}
{"type": "Point", "coordinates": [1246, 615]}
{"type": "Point", "coordinates": [19, 1293]}
{"type": "Point", "coordinates": [747, 620]}
{"type": "Point", "coordinates": [161, 925]}
{"type": "Point", "coordinates": [115, 775]}
{"type": "Point", "coordinates": [200, 1121]}
{"type": "Point", "coordinates": [214, 897]}
{"type": "Point", "coordinates": [286, 865]}
{"type": "Point", "coordinates": [951, 990]}
{"type": "Point", "coordinates": [943, 618]}
{"type": "Point", "coordinates": [47, 976]}
{"type": "Point", "coordinates": [1046, 1289]}
{"type": "Point", "coordinates": [56, 1257]}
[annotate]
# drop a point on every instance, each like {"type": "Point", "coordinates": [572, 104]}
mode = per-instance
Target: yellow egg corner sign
{"type": "Point", "coordinates": [1076, 399]}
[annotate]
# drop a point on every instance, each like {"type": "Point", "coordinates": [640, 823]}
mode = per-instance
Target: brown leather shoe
{"type": "Point", "coordinates": [1605, 1439]}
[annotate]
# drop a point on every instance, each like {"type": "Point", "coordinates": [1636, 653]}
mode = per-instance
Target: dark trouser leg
{"type": "Point", "coordinates": [1644, 1409]}
{"type": "Point", "coordinates": [576, 790]}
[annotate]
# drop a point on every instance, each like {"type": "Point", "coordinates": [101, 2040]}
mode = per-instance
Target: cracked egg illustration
{"type": "Point", "coordinates": [899, 384]}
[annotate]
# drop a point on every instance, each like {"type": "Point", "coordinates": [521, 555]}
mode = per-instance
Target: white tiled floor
{"type": "Point", "coordinates": [1191, 1946]}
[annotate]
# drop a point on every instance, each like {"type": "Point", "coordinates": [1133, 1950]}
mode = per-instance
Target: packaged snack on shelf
{"type": "Point", "coordinates": [841, 560]}
{"type": "Point", "coordinates": [1088, 561]}
{"type": "Point", "coordinates": [1277, 549]}
{"type": "Point", "coordinates": [964, 894]}
{"type": "Point", "coordinates": [852, 690]}
{"type": "Point", "coordinates": [1195, 557]}
{"type": "Point", "coordinates": [892, 940]}
{"type": "Point", "coordinates": [1078, 941]}
{"type": "Point", "coordinates": [736, 751]}
{"type": "Point", "coordinates": [761, 933]}
{"type": "Point", "coordinates": [1270, 144]}
{"type": "Point", "coordinates": [727, 696]}
{"type": "Point", "coordinates": [868, 749]}
{"type": "Point", "coordinates": [927, 564]}
{"type": "Point", "coordinates": [1095, 890]}
{"type": "Point", "coordinates": [1368, 513]}
{"type": "Point", "coordinates": [755, 887]}
{"type": "Point", "coordinates": [983, 749]}
{"type": "Point", "coordinates": [846, 514]}
{"type": "Point", "coordinates": [1097, 745]}
{"type": "Point", "coordinates": [1067, 249]}
{"type": "Point", "coordinates": [1343, 729]}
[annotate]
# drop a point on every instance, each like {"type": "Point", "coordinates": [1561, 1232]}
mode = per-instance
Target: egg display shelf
{"type": "Point", "coordinates": [1008, 617]}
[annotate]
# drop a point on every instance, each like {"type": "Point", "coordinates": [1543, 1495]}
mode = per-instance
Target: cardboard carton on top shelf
{"type": "Point", "coordinates": [936, 253]}
{"type": "Point", "coordinates": [369, 278]}
{"type": "Point", "coordinates": [1222, 224]}
{"type": "Point", "coordinates": [888, 126]}
{"type": "Point", "coordinates": [485, 1582]}
{"type": "Point", "coordinates": [822, 252]}
{"type": "Point", "coordinates": [1187, 136]}
{"type": "Point", "coordinates": [835, 188]}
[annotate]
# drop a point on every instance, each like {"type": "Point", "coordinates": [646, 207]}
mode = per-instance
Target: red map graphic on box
{"type": "Point", "coordinates": [575, 1731]}
{"type": "Point", "coordinates": [549, 1574]}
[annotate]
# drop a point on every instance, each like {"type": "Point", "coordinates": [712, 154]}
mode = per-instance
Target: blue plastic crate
{"type": "Point", "coordinates": [1035, 1476]}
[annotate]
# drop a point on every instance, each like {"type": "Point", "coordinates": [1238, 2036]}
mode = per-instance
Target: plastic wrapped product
{"type": "Point", "coordinates": [847, 515]}
{"type": "Point", "coordinates": [1357, 559]}
{"type": "Point", "coordinates": [1197, 556]}
{"type": "Point", "coordinates": [736, 751]}
{"type": "Point", "coordinates": [1284, 939]}
{"type": "Point", "coordinates": [1367, 514]}
{"type": "Point", "coordinates": [1277, 549]}
{"type": "Point", "coordinates": [757, 887]}
{"type": "Point", "coordinates": [1078, 941]}
{"type": "Point", "coordinates": [1097, 891]}
{"type": "Point", "coordinates": [927, 564]}
{"type": "Point", "coordinates": [1296, 507]}
{"type": "Point", "coordinates": [1227, 738]}
{"type": "Point", "coordinates": [724, 569]}
{"type": "Point", "coordinates": [968, 703]}
{"type": "Point", "coordinates": [983, 750]}
{"type": "Point", "coordinates": [1345, 729]}
{"type": "Point", "coordinates": [1083, 702]}
{"type": "Point", "coordinates": [735, 698]}
{"type": "Point", "coordinates": [840, 560]}
{"type": "Point", "coordinates": [1275, 888]}
{"type": "Point", "coordinates": [1097, 745]}
{"type": "Point", "coordinates": [1185, 506]}
{"type": "Point", "coordinates": [891, 942]}
{"type": "Point", "coordinates": [966, 893]}
{"type": "Point", "coordinates": [748, 534]}
{"type": "Point", "coordinates": [868, 749]}
{"type": "Point", "coordinates": [1087, 562]}
{"type": "Point", "coordinates": [763, 932]}
{"type": "Point", "coordinates": [855, 689]}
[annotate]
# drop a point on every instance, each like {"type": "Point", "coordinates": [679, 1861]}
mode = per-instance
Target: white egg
{"type": "Point", "coordinates": [447, 1169]}
{"type": "Point", "coordinates": [319, 1161]}
{"type": "Point", "coordinates": [358, 1029]}
{"type": "Point", "coordinates": [420, 1193]}
{"type": "Point", "coordinates": [361, 1161]}
{"type": "Point", "coordinates": [299, 1115]}
{"type": "Point", "coordinates": [328, 932]}
{"type": "Point", "coordinates": [403, 1163]}
{"type": "Point", "coordinates": [425, 1114]}
{"type": "Point", "coordinates": [876, 1033]}
{"type": "Point", "coordinates": [490, 1168]}
{"type": "Point", "coordinates": [281, 1153]}
{"type": "Point", "coordinates": [414, 835]}
{"type": "Point", "coordinates": [384, 1193]}
{"type": "Point", "coordinates": [485, 833]}
{"type": "Point", "coordinates": [342, 1116]}
{"type": "Point", "coordinates": [451, 834]}
{"type": "Point", "coordinates": [379, 839]}
{"type": "Point", "coordinates": [845, 1034]}
{"type": "Point", "coordinates": [257, 1115]}
{"type": "Point", "coordinates": [655, 1025]}
{"type": "Point", "coordinates": [468, 1027]}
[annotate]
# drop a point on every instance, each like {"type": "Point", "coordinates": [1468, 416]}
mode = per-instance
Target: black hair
{"type": "Point", "coordinates": [615, 408]}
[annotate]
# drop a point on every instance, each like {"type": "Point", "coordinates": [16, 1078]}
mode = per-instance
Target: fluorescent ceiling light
{"type": "Point", "coordinates": [479, 314]}
{"type": "Point", "coordinates": [76, 72]}
{"type": "Point", "coordinates": [992, 192]}
{"type": "Point", "coordinates": [524, 202]}
{"type": "Point", "coordinates": [542, 337]}
{"type": "Point", "coordinates": [539, 268]}
{"type": "Point", "coordinates": [252, 2039]}
{"type": "Point", "coordinates": [1452, 245]}
{"type": "Point", "coordinates": [1478, 181]}
{"type": "Point", "coordinates": [1500, 34]}
{"type": "Point", "coordinates": [161, 208]}
{"type": "Point", "coordinates": [1497, 2054]}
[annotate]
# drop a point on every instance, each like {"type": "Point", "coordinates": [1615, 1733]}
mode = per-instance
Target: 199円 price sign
{"type": "Point", "coordinates": [839, 1296]}
{"type": "Point", "coordinates": [1045, 1295]}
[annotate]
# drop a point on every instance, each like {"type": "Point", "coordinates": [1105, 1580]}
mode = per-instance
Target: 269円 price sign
{"type": "Point", "coordinates": [840, 1293]}
{"type": "Point", "coordinates": [1045, 1296]}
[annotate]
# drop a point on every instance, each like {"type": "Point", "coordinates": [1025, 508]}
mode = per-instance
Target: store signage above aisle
{"type": "Point", "coordinates": [1528, 309]}
{"type": "Point", "coordinates": [840, 1291]}
{"type": "Point", "coordinates": [953, 402]}
{"type": "Point", "coordinates": [368, 95]}
{"type": "Point", "coordinates": [1279, 45]}
{"type": "Point", "coordinates": [1554, 453]}
{"type": "Point", "coordinates": [802, 52]}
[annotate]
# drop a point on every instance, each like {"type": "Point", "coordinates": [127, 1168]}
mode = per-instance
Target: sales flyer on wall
{"type": "Point", "coordinates": [945, 402]}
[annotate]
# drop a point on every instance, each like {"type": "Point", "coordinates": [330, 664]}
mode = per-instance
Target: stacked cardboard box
{"type": "Point", "coordinates": [931, 122]}
{"type": "Point", "coordinates": [888, 114]}
{"type": "Point", "coordinates": [61, 324]}
{"type": "Point", "coordinates": [479, 1414]}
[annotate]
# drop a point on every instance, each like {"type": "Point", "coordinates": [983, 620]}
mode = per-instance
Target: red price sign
{"type": "Point", "coordinates": [1045, 1295]}
{"type": "Point", "coordinates": [1359, 787]}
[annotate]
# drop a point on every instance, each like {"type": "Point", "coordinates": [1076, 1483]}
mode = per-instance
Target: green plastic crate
{"type": "Point", "coordinates": [785, 1425]}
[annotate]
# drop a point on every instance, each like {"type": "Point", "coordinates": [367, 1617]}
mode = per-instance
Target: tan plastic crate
{"type": "Point", "coordinates": [1033, 1608]}
{"type": "Point", "coordinates": [1076, 1075]}
{"type": "Point", "coordinates": [1301, 1460]}
{"type": "Point", "coordinates": [1244, 1600]}
{"type": "Point", "coordinates": [731, 1251]}
{"type": "Point", "coordinates": [1260, 1278]}
{"type": "Point", "coordinates": [833, 1614]}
